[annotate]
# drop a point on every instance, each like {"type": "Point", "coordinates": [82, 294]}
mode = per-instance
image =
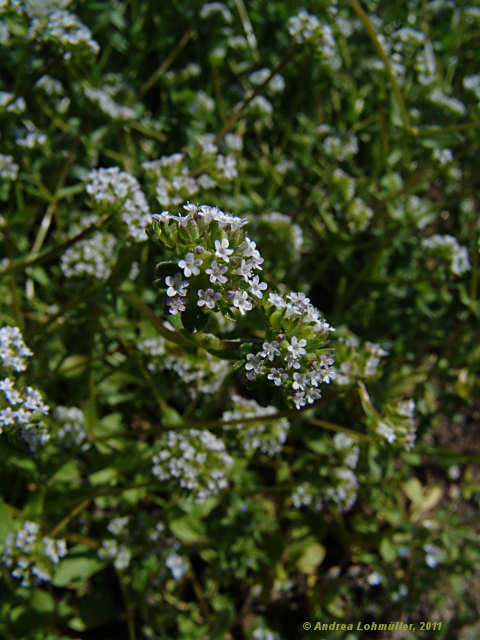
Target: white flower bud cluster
{"type": "Point", "coordinates": [30, 557]}
{"type": "Point", "coordinates": [449, 247]}
{"type": "Point", "coordinates": [397, 424]}
{"type": "Point", "coordinates": [342, 483]}
{"type": "Point", "coordinates": [107, 104]}
{"type": "Point", "coordinates": [94, 256]}
{"type": "Point", "coordinates": [356, 360]}
{"type": "Point", "coordinates": [8, 168]}
{"type": "Point", "coordinates": [72, 431]}
{"type": "Point", "coordinates": [266, 437]}
{"type": "Point", "coordinates": [112, 188]}
{"type": "Point", "coordinates": [65, 29]}
{"type": "Point", "coordinates": [112, 549]}
{"type": "Point", "coordinates": [194, 460]}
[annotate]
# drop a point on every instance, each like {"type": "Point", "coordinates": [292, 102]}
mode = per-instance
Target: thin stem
{"type": "Point", "coordinates": [335, 427]}
{"type": "Point", "coordinates": [74, 512]}
{"type": "Point", "coordinates": [60, 248]}
{"type": "Point", "coordinates": [236, 114]}
{"type": "Point", "coordinates": [128, 607]}
{"type": "Point", "coordinates": [388, 67]}
{"type": "Point", "coordinates": [167, 62]}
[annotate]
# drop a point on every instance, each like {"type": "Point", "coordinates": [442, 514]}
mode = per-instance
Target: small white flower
{"type": "Point", "coordinates": [190, 265]}
{"type": "Point", "coordinates": [216, 272]}
{"type": "Point", "coordinates": [257, 287]}
{"type": "Point", "coordinates": [242, 301]}
{"type": "Point", "coordinates": [176, 286]}
{"type": "Point", "coordinates": [277, 376]}
{"type": "Point", "coordinates": [270, 350]}
{"type": "Point", "coordinates": [253, 366]}
{"type": "Point", "coordinates": [208, 298]}
{"type": "Point", "coordinates": [221, 249]}
{"type": "Point", "coordinates": [176, 304]}
{"type": "Point", "coordinates": [296, 347]}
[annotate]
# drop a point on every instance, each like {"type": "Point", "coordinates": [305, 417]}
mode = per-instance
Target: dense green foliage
{"type": "Point", "coordinates": [189, 450]}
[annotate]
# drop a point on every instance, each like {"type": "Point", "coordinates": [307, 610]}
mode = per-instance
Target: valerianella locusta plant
{"type": "Point", "coordinates": [214, 267]}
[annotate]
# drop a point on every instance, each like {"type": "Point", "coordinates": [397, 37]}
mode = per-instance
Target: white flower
{"type": "Point", "coordinates": [176, 304]}
{"type": "Point", "coordinates": [216, 272]}
{"type": "Point", "coordinates": [190, 265]}
{"type": "Point", "coordinates": [256, 287]}
{"type": "Point", "coordinates": [253, 366]}
{"type": "Point", "coordinates": [277, 376]}
{"type": "Point", "coordinates": [176, 286]}
{"type": "Point", "coordinates": [277, 300]}
{"type": "Point", "coordinates": [242, 301]}
{"type": "Point", "coordinates": [296, 347]}
{"type": "Point", "coordinates": [176, 564]}
{"type": "Point", "coordinates": [221, 249]}
{"type": "Point", "coordinates": [208, 298]}
{"type": "Point", "coordinates": [270, 350]}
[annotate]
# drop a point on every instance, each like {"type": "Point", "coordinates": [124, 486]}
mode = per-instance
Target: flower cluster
{"type": "Point", "coordinates": [103, 98]}
{"type": "Point", "coordinates": [112, 549]}
{"type": "Point", "coordinates": [93, 256]}
{"type": "Point", "coordinates": [65, 30]}
{"type": "Point", "coordinates": [20, 406]}
{"type": "Point", "coordinates": [195, 460]}
{"type": "Point", "coordinates": [306, 27]}
{"type": "Point", "coordinates": [8, 168]}
{"type": "Point", "coordinates": [13, 351]}
{"type": "Point", "coordinates": [267, 437]}
{"type": "Point", "coordinates": [112, 189]}
{"type": "Point", "coordinates": [219, 262]}
{"type": "Point", "coordinates": [72, 432]}
{"type": "Point", "coordinates": [397, 423]}
{"type": "Point", "coordinates": [295, 357]}
{"type": "Point", "coordinates": [339, 482]}
{"type": "Point", "coordinates": [175, 183]}
{"type": "Point", "coordinates": [448, 247]}
{"type": "Point", "coordinates": [30, 557]}
{"type": "Point", "coordinates": [355, 360]}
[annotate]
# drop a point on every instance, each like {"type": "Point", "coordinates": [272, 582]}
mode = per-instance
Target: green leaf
{"type": "Point", "coordinates": [311, 557]}
{"type": "Point", "coordinates": [387, 550]}
{"type": "Point", "coordinates": [71, 570]}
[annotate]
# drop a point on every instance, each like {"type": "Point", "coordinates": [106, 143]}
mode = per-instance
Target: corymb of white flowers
{"type": "Point", "coordinates": [217, 265]}
{"type": "Point", "coordinates": [195, 460]}
{"type": "Point", "coordinates": [19, 406]}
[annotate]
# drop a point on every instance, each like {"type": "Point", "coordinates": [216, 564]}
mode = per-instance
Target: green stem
{"type": "Point", "coordinates": [167, 62]}
{"type": "Point", "coordinates": [388, 67]}
{"type": "Point", "coordinates": [236, 114]}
